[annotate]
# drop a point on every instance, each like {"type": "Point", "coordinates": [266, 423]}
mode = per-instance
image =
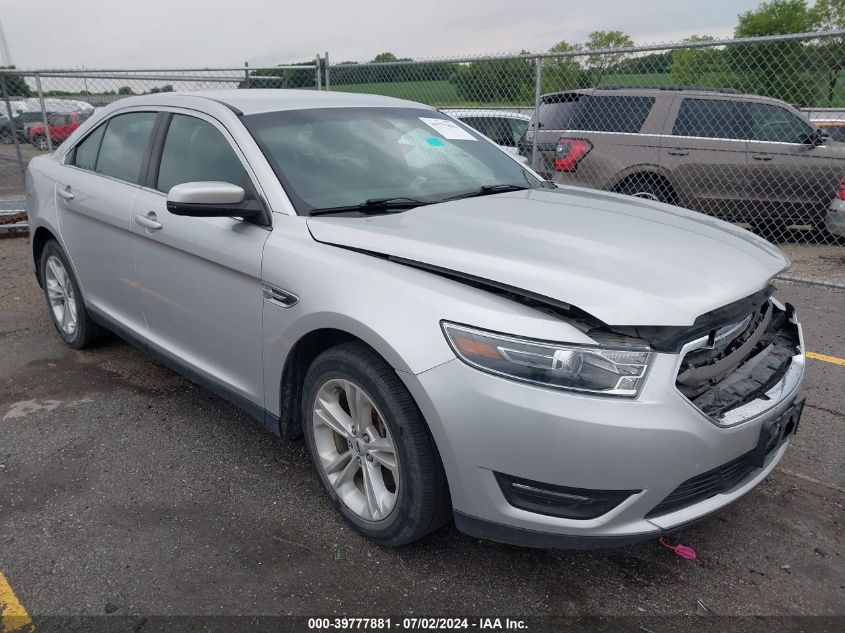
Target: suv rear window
{"type": "Point", "coordinates": [603, 113]}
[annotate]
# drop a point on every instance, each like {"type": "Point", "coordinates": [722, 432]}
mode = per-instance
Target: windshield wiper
{"type": "Point", "coordinates": [486, 190]}
{"type": "Point", "coordinates": [374, 206]}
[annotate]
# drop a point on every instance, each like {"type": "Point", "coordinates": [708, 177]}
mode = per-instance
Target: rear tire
{"type": "Point", "coordinates": [377, 448]}
{"type": "Point", "coordinates": [648, 188]}
{"type": "Point", "coordinates": [6, 138]}
{"type": "Point", "coordinates": [40, 142]}
{"type": "Point", "coordinates": [64, 299]}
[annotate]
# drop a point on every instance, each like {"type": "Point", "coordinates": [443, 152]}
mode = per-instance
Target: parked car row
{"type": "Point", "coordinates": [740, 157]}
{"type": "Point", "coordinates": [30, 127]}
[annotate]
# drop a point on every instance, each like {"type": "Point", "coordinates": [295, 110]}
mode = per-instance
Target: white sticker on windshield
{"type": "Point", "coordinates": [448, 129]}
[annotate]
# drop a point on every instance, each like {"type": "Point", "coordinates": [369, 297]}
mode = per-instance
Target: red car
{"type": "Point", "coordinates": [61, 126]}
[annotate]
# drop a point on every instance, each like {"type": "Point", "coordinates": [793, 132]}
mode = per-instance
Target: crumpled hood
{"type": "Point", "coordinates": [626, 261]}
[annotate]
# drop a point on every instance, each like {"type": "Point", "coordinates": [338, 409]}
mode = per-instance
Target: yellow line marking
{"type": "Point", "coordinates": [826, 358]}
{"type": "Point", "coordinates": [13, 617]}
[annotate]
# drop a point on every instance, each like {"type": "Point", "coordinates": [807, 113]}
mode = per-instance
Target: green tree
{"type": "Point", "coordinates": [599, 64]}
{"type": "Point", "coordinates": [697, 66]}
{"type": "Point", "coordinates": [775, 69]}
{"type": "Point", "coordinates": [497, 81]}
{"type": "Point", "coordinates": [16, 85]}
{"type": "Point", "coordinates": [563, 73]}
{"type": "Point", "coordinates": [125, 90]}
{"type": "Point", "coordinates": [384, 57]}
{"type": "Point", "coordinates": [830, 52]}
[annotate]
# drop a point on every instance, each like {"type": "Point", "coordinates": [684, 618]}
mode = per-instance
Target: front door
{"type": "Point", "coordinates": [705, 153]}
{"type": "Point", "coordinates": [788, 178]}
{"type": "Point", "coordinates": [200, 278]}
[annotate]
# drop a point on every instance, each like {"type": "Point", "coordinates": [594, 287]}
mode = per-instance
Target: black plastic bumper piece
{"type": "Point", "coordinates": [559, 501]}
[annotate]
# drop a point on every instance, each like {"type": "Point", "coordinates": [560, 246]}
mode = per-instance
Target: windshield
{"type": "Point", "coordinates": [335, 157]}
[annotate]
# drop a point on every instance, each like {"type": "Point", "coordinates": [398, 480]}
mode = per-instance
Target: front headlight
{"type": "Point", "coordinates": [599, 370]}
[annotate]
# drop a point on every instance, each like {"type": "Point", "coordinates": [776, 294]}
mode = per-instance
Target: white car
{"type": "Point", "coordinates": [835, 221]}
{"type": "Point", "coordinates": [502, 127]}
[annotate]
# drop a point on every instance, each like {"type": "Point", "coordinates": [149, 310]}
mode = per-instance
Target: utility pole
{"type": "Point", "coordinates": [5, 55]}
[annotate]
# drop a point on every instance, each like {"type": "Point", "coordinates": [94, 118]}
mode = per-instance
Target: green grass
{"type": "Point", "coordinates": [442, 93]}
{"type": "Point", "coordinates": [432, 92]}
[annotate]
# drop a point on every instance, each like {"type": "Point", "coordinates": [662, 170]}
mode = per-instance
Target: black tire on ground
{"type": "Point", "coordinates": [773, 229]}
{"type": "Point", "coordinates": [40, 142]}
{"type": "Point", "coordinates": [87, 331]}
{"type": "Point", "coordinates": [423, 503]}
{"type": "Point", "coordinates": [645, 187]}
{"type": "Point", "coordinates": [6, 138]}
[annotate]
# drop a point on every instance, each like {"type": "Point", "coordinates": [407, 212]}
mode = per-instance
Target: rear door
{"type": "Point", "coordinates": [704, 151]}
{"type": "Point", "coordinates": [200, 278]}
{"type": "Point", "coordinates": [61, 125]}
{"type": "Point", "coordinates": [94, 194]}
{"type": "Point", "coordinates": [788, 177]}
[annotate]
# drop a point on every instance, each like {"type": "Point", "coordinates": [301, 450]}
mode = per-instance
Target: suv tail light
{"type": "Point", "coordinates": [569, 152]}
{"type": "Point", "coordinates": [840, 192]}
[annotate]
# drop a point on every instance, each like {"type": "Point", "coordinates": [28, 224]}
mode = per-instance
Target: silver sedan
{"type": "Point", "coordinates": [452, 336]}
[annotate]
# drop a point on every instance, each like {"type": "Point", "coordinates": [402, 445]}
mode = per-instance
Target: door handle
{"type": "Point", "coordinates": [65, 193]}
{"type": "Point", "coordinates": [678, 152]}
{"type": "Point", "coordinates": [762, 156]}
{"type": "Point", "coordinates": [148, 221]}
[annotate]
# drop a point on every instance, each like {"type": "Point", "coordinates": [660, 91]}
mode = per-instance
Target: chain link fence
{"type": "Point", "coordinates": [748, 130]}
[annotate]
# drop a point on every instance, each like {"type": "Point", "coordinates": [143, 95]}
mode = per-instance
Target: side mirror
{"type": "Point", "coordinates": [211, 200]}
{"type": "Point", "coordinates": [816, 137]}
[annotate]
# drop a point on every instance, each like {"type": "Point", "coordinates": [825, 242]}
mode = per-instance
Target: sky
{"type": "Point", "coordinates": [208, 33]}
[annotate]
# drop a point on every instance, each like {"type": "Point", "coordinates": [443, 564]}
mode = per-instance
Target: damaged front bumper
{"type": "Point", "coordinates": [559, 448]}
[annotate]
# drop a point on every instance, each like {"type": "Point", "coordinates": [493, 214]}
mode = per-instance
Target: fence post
{"type": "Point", "coordinates": [317, 73]}
{"type": "Point", "coordinates": [43, 112]}
{"type": "Point", "coordinates": [327, 71]}
{"type": "Point", "coordinates": [538, 84]}
{"type": "Point", "coordinates": [12, 124]}
{"type": "Point", "coordinates": [246, 74]}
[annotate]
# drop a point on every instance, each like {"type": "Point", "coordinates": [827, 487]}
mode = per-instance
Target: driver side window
{"type": "Point", "coordinates": [775, 124]}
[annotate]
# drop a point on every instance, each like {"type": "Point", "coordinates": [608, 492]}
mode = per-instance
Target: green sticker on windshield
{"type": "Point", "coordinates": [434, 141]}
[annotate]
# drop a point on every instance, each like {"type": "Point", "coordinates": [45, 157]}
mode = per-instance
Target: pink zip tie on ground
{"type": "Point", "coordinates": [681, 550]}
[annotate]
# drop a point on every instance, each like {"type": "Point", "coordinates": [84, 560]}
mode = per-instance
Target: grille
{"type": "Point", "coordinates": [706, 485]}
{"type": "Point", "coordinates": [747, 362]}
{"type": "Point", "coordinates": [728, 476]}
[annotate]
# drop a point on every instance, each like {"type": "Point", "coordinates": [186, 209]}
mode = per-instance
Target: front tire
{"type": "Point", "coordinates": [371, 447]}
{"type": "Point", "coordinates": [40, 142]}
{"type": "Point", "coordinates": [64, 299]}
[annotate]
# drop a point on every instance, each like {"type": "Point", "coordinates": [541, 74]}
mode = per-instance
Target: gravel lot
{"type": "Point", "coordinates": [124, 487]}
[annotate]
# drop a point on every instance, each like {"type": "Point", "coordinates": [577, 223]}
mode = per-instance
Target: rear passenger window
{"type": "Point", "coordinates": [85, 155]}
{"type": "Point", "coordinates": [196, 151]}
{"type": "Point", "coordinates": [124, 145]}
{"type": "Point", "coordinates": [711, 118]}
{"type": "Point", "coordinates": [611, 113]}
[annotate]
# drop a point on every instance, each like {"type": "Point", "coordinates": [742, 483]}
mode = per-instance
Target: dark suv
{"type": "Point", "coordinates": [741, 157]}
{"type": "Point", "coordinates": [21, 121]}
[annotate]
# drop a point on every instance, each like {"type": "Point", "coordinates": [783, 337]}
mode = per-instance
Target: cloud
{"type": "Point", "coordinates": [195, 33]}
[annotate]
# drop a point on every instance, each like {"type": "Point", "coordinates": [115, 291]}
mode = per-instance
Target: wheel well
{"type": "Point", "coordinates": [41, 237]}
{"type": "Point", "coordinates": [299, 360]}
{"type": "Point", "coordinates": [649, 177]}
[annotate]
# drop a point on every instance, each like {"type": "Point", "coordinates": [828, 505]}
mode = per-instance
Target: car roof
{"type": "Point", "coordinates": [459, 112]}
{"type": "Point", "coordinates": [255, 101]}
{"type": "Point", "coordinates": [664, 91]}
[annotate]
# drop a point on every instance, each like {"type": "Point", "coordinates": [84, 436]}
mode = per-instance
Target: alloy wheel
{"type": "Point", "coordinates": [356, 451]}
{"type": "Point", "coordinates": [61, 295]}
